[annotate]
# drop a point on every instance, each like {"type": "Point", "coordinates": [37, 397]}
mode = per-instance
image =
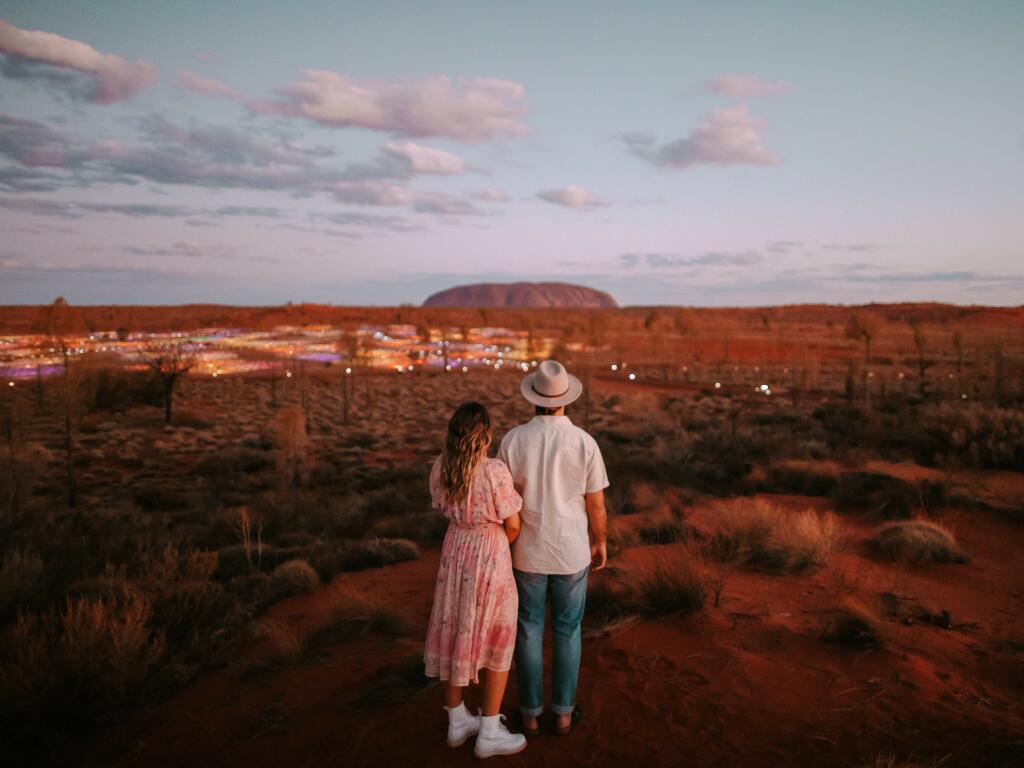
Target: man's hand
{"type": "Point", "coordinates": [598, 555]}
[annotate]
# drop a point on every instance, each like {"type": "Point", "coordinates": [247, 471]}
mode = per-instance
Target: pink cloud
{"type": "Point", "coordinates": [110, 77]}
{"type": "Point", "coordinates": [425, 159]}
{"type": "Point", "coordinates": [469, 110]}
{"type": "Point", "coordinates": [744, 86]}
{"type": "Point", "coordinates": [193, 81]}
{"type": "Point", "coordinates": [727, 136]}
{"type": "Point", "coordinates": [572, 197]}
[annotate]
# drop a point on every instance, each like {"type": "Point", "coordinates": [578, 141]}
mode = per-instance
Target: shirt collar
{"type": "Point", "coordinates": [563, 419]}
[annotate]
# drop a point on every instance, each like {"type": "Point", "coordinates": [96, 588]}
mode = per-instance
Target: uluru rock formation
{"type": "Point", "coordinates": [520, 295]}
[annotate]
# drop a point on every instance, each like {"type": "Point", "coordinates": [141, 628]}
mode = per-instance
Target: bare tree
{"type": "Point", "coordinates": [920, 343]}
{"type": "Point", "coordinates": [58, 321]}
{"type": "Point", "coordinates": [864, 326]}
{"type": "Point", "coordinates": [168, 363]}
{"type": "Point", "coordinates": [292, 442]}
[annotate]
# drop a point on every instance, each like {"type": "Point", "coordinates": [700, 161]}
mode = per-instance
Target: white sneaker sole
{"type": "Point", "coordinates": [460, 742]}
{"type": "Point", "coordinates": [515, 751]}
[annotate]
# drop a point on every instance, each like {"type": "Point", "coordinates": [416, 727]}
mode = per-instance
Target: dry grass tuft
{"type": "Point", "coordinates": [91, 654]}
{"type": "Point", "coordinates": [917, 541]}
{"type": "Point", "coordinates": [857, 624]}
{"type": "Point", "coordinates": [772, 540]}
{"type": "Point", "coordinates": [281, 647]}
{"type": "Point", "coordinates": [354, 613]}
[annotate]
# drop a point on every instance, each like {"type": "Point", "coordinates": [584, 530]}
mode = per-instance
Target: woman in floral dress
{"type": "Point", "coordinates": [473, 620]}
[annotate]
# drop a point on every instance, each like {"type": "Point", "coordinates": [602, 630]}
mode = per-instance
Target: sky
{"type": "Point", "coordinates": [673, 153]}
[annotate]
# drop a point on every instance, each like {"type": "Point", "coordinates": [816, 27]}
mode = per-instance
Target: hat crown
{"type": "Point", "coordinates": [551, 379]}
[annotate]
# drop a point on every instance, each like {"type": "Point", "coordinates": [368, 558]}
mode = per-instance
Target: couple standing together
{"type": "Point", "coordinates": [524, 530]}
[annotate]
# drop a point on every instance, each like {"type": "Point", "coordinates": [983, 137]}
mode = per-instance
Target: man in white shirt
{"type": "Point", "coordinates": [558, 470]}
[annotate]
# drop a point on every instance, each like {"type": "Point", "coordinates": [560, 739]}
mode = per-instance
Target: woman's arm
{"type": "Point", "coordinates": [512, 526]}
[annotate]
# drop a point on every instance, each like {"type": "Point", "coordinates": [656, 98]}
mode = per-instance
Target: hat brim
{"type": "Point", "coordinates": [571, 395]}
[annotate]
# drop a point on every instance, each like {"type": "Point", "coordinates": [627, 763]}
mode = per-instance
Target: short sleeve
{"type": "Point", "coordinates": [436, 497]}
{"type": "Point", "coordinates": [506, 501]}
{"type": "Point", "coordinates": [597, 476]}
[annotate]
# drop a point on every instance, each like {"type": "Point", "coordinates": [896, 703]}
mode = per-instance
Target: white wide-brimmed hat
{"type": "Point", "coordinates": [551, 386]}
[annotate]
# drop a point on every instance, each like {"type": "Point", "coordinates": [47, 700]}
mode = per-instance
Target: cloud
{"type": "Point", "coordinates": [727, 136]}
{"type": "Point", "coordinates": [490, 195]}
{"type": "Point", "coordinates": [444, 205]}
{"type": "Point", "coordinates": [467, 109]}
{"type": "Point", "coordinates": [571, 197]}
{"type": "Point", "coordinates": [219, 157]}
{"type": "Point", "coordinates": [73, 66]}
{"type": "Point", "coordinates": [77, 209]}
{"type": "Point", "coordinates": [189, 80]}
{"type": "Point", "coordinates": [425, 160]}
{"type": "Point", "coordinates": [710, 259]}
{"type": "Point", "coordinates": [744, 86]}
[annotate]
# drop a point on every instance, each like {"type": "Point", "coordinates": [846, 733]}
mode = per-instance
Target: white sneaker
{"type": "Point", "coordinates": [495, 739]}
{"type": "Point", "coordinates": [461, 725]}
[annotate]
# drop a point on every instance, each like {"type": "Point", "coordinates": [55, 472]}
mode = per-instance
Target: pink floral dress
{"type": "Point", "coordinates": [473, 621]}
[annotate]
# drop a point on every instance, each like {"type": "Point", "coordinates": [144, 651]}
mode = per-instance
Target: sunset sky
{"type": "Point", "coordinates": [372, 153]}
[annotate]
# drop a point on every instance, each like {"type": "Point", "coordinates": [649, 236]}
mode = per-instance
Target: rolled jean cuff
{"type": "Point", "coordinates": [531, 711]}
{"type": "Point", "coordinates": [559, 710]}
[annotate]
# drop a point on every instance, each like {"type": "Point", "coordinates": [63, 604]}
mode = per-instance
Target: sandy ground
{"type": "Point", "coordinates": [746, 683]}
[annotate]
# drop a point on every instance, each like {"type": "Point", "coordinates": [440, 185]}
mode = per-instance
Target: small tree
{"type": "Point", "coordinates": [864, 326]}
{"type": "Point", "coordinates": [292, 442]}
{"type": "Point", "coordinates": [168, 363]}
{"type": "Point", "coordinates": [920, 343]}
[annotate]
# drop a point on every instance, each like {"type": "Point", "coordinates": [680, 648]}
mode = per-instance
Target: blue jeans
{"type": "Point", "coordinates": [568, 599]}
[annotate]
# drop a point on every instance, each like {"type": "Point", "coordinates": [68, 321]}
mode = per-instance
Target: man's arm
{"type": "Point", "coordinates": [598, 518]}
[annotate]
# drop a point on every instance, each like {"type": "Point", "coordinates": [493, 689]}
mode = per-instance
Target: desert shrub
{"type": "Point", "coordinates": [295, 539]}
{"type": "Point", "coordinates": [233, 461]}
{"type": "Point", "coordinates": [917, 541]}
{"type": "Point", "coordinates": [772, 540]}
{"type": "Point", "coordinates": [69, 664]}
{"type": "Point", "coordinates": [883, 496]}
{"type": "Point", "coordinates": [607, 601]}
{"type": "Point", "coordinates": [292, 578]}
{"type": "Point", "coordinates": [159, 497]}
{"type": "Point", "coordinates": [17, 483]}
{"type": "Point", "coordinates": [620, 538]}
{"type": "Point", "coordinates": [235, 561]}
{"type": "Point", "coordinates": [334, 558]}
{"type": "Point", "coordinates": [671, 586]}
{"type": "Point", "coordinates": [805, 482]}
{"type": "Point", "coordinates": [20, 580]}
{"type": "Point", "coordinates": [666, 530]}
{"type": "Point", "coordinates": [199, 619]}
{"type": "Point", "coordinates": [280, 647]}
{"type": "Point", "coordinates": [111, 389]}
{"type": "Point", "coordinates": [190, 419]}
{"type": "Point", "coordinates": [974, 435]}
{"type": "Point", "coordinates": [855, 623]}
{"type": "Point", "coordinates": [354, 613]}
{"type": "Point", "coordinates": [429, 526]}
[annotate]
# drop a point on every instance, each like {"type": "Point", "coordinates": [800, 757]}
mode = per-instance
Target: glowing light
{"type": "Point", "coordinates": [718, 385]}
{"type": "Point", "coordinates": [288, 374]}
{"type": "Point", "coordinates": [768, 392]}
{"type": "Point", "coordinates": [764, 387]}
{"type": "Point", "coordinates": [615, 367]}
{"type": "Point", "coordinates": [632, 377]}
{"type": "Point", "coordinates": [465, 369]}
{"type": "Point", "coordinates": [348, 370]}
{"type": "Point", "coordinates": [11, 384]}
{"type": "Point", "coordinates": [448, 367]}
{"type": "Point", "coordinates": [962, 397]}
{"type": "Point", "coordinates": [534, 364]}
{"type": "Point", "coordinates": [899, 375]}
{"type": "Point", "coordinates": [410, 367]}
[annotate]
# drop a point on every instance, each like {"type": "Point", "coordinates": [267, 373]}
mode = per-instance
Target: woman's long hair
{"type": "Point", "coordinates": [465, 446]}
